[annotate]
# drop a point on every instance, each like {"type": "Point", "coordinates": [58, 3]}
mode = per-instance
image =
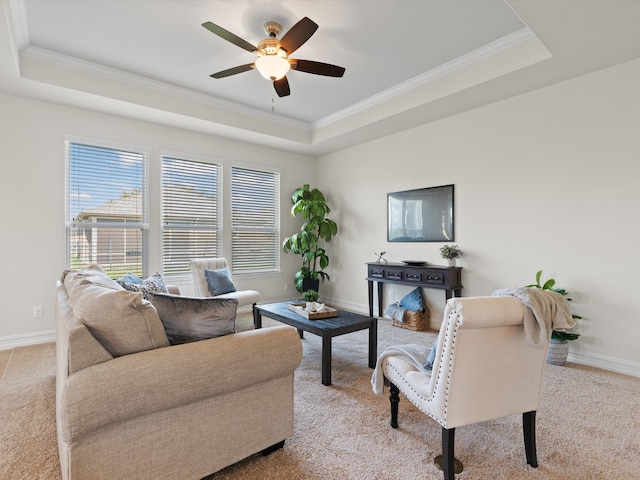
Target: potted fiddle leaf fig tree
{"type": "Point", "coordinates": [312, 206]}
{"type": "Point", "coordinates": [559, 346]}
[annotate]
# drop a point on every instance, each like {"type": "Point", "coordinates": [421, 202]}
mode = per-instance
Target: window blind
{"type": "Point", "coordinates": [191, 212]}
{"type": "Point", "coordinates": [106, 208]}
{"type": "Point", "coordinates": [255, 220]}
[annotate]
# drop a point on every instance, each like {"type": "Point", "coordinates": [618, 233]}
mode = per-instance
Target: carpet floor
{"type": "Point", "coordinates": [587, 426]}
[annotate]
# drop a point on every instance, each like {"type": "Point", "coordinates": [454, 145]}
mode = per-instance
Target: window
{"type": "Point", "coordinates": [191, 215]}
{"type": "Point", "coordinates": [255, 220]}
{"type": "Point", "coordinates": [106, 208]}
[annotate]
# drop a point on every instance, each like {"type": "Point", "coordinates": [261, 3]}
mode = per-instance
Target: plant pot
{"type": "Point", "coordinates": [310, 284]}
{"type": "Point", "coordinates": [558, 352]}
{"type": "Point", "coordinates": [451, 262]}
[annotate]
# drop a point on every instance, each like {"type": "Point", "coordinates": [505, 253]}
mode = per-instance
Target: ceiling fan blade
{"type": "Point", "coordinates": [228, 36]}
{"type": "Point", "coordinates": [233, 71]}
{"type": "Point", "coordinates": [282, 87]}
{"type": "Point", "coordinates": [298, 34]}
{"type": "Point", "coordinates": [317, 68]}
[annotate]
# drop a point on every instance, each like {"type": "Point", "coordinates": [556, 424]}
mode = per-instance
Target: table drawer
{"type": "Point", "coordinates": [435, 278]}
{"type": "Point", "coordinates": [415, 277]}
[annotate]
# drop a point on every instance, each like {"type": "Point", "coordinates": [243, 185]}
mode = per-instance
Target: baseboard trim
{"type": "Point", "coordinates": [606, 363]}
{"type": "Point", "coordinates": [12, 341]}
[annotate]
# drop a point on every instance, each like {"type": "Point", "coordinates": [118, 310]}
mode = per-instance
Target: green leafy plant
{"type": "Point", "coordinates": [312, 206]}
{"type": "Point", "coordinates": [550, 285]}
{"type": "Point", "coordinates": [450, 252]}
{"type": "Point", "coordinates": [310, 296]}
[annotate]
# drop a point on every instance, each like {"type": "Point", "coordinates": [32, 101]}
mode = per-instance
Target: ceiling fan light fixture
{"type": "Point", "coordinates": [272, 67]}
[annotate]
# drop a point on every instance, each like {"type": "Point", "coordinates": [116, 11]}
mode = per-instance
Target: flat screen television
{"type": "Point", "coordinates": [421, 215]}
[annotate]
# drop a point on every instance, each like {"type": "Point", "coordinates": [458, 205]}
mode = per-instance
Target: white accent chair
{"type": "Point", "coordinates": [201, 287]}
{"type": "Point", "coordinates": [483, 369]}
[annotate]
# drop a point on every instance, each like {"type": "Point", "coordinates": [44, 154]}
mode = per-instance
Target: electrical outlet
{"type": "Point", "coordinates": [37, 311]}
{"type": "Point", "coordinates": [286, 286]}
{"type": "Point", "coordinates": [392, 295]}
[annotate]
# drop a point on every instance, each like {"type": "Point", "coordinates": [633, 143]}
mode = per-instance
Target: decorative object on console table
{"type": "Point", "coordinates": [450, 253]}
{"type": "Point", "coordinates": [381, 259]}
{"type": "Point", "coordinates": [313, 208]}
{"type": "Point", "coordinates": [448, 279]}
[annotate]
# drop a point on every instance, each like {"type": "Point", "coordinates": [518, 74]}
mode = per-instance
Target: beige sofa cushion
{"type": "Point", "coordinates": [120, 320]}
{"type": "Point", "coordinates": [188, 319]}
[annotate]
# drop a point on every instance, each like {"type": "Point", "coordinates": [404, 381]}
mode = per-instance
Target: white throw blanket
{"type": "Point", "coordinates": [544, 311]}
{"type": "Point", "coordinates": [416, 355]}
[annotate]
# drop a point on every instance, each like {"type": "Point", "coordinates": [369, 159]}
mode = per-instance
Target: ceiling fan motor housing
{"type": "Point", "coordinates": [270, 46]}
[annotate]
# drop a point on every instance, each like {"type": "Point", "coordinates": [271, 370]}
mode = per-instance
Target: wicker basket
{"type": "Point", "coordinates": [414, 320]}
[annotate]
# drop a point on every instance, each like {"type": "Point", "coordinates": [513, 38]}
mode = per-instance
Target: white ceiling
{"type": "Point", "coordinates": [407, 61]}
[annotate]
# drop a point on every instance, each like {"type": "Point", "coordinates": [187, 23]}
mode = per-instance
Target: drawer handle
{"type": "Point", "coordinates": [413, 276]}
{"type": "Point", "coordinates": [396, 276]}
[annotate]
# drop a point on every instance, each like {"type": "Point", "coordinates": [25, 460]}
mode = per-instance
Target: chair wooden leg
{"type": "Point", "coordinates": [529, 429]}
{"type": "Point", "coordinates": [448, 436]}
{"type": "Point", "coordinates": [394, 399]}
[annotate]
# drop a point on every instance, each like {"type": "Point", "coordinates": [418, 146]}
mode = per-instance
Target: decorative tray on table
{"type": "Point", "coordinates": [300, 309]}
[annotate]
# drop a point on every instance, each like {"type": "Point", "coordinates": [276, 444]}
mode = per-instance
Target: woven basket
{"type": "Point", "coordinates": [413, 320]}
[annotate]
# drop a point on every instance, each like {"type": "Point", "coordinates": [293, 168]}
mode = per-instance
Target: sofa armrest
{"type": "Point", "coordinates": [156, 380]}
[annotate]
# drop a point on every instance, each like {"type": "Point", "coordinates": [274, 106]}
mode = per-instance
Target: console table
{"type": "Point", "coordinates": [428, 276]}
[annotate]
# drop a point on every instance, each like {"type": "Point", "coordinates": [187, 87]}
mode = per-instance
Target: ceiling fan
{"type": "Point", "coordinates": [273, 60]}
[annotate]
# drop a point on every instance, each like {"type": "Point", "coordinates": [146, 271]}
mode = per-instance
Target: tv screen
{"type": "Point", "coordinates": [421, 215]}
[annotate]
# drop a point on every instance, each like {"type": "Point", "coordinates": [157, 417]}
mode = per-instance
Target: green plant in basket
{"type": "Point", "coordinates": [551, 285]}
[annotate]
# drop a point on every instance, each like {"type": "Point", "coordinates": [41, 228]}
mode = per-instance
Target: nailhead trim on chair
{"type": "Point", "coordinates": [456, 326]}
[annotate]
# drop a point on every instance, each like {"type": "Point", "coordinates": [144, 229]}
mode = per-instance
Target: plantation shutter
{"type": "Point", "coordinates": [255, 220]}
{"type": "Point", "coordinates": [106, 208]}
{"type": "Point", "coordinates": [191, 214]}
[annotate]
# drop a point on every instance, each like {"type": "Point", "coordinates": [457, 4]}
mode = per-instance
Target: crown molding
{"type": "Point", "coordinates": [127, 78]}
{"type": "Point", "coordinates": [493, 48]}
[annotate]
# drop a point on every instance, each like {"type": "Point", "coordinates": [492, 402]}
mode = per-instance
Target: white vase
{"type": "Point", "coordinates": [451, 262]}
{"type": "Point", "coordinates": [558, 352]}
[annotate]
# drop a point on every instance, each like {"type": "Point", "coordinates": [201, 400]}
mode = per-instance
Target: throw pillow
{"type": "Point", "coordinates": [153, 284]}
{"type": "Point", "coordinates": [413, 300]}
{"type": "Point", "coordinates": [120, 320]}
{"type": "Point", "coordinates": [219, 281]}
{"type": "Point", "coordinates": [188, 319]}
{"type": "Point", "coordinates": [129, 278]}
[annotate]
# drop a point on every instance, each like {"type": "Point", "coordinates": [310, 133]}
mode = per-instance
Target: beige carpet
{"type": "Point", "coordinates": [588, 426]}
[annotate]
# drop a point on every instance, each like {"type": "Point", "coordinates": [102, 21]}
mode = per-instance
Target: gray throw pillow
{"type": "Point", "coordinates": [219, 281]}
{"type": "Point", "coordinates": [188, 319]}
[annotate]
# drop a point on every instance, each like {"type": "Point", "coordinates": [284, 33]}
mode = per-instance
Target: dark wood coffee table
{"type": "Point", "coordinates": [327, 328]}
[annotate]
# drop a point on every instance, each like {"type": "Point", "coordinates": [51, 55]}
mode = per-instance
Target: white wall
{"type": "Point", "coordinates": [546, 180]}
{"type": "Point", "coordinates": [32, 136]}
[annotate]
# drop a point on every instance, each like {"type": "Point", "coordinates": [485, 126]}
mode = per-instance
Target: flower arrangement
{"type": "Point", "coordinates": [450, 252]}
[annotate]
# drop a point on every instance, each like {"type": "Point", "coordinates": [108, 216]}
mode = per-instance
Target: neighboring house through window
{"type": "Point", "coordinates": [106, 208]}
